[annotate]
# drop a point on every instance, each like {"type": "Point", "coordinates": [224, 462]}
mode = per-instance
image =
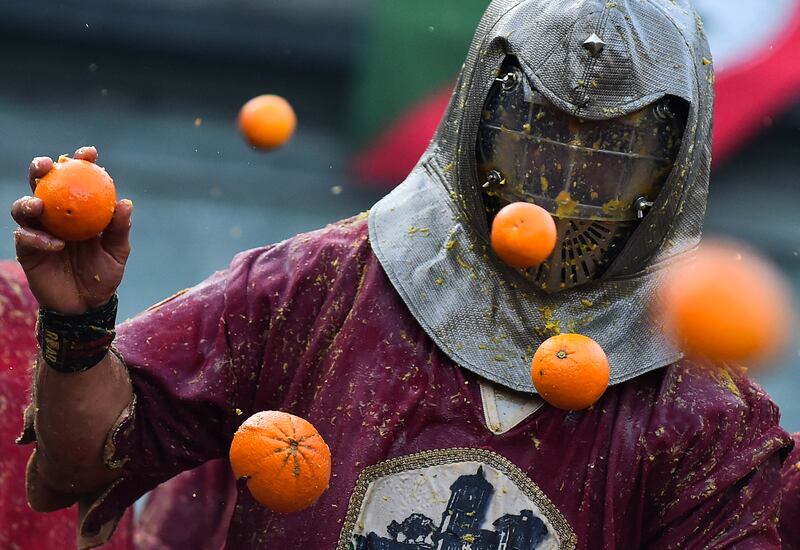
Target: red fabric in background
{"type": "Point", "coordinates": [21, 527]}
{"type": "Point", "coordinates": [748, 93]}
{"type": "Point", "coordinates": [759, 87]}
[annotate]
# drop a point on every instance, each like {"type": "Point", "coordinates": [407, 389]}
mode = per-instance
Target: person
{"type": "Point", "coordinates": [21, 527]}
{"type": "Point", "coordinates": [407, 342]}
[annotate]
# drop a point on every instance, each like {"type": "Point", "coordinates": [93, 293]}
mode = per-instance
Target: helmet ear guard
{"type": "Point", "coordinates": [598, 178]}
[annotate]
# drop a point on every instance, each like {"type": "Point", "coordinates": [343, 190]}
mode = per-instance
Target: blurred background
{"type": "Point", "coordinates": [156, 86]}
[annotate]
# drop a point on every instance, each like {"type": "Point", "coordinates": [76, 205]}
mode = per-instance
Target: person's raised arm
{"type": "Point", "coordinates": [80, 387]}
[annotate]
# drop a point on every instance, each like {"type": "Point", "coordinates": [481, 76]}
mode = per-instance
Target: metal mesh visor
{"type": "Point", "coordinates": [583, 250]}
{"type": "Point", "coordinates": [431, 234]}
{"type": "Point", "coordinates": [574, 168]}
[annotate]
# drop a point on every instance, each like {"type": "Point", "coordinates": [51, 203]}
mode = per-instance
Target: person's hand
{"type": "Point", "coordinates": [70, 277]}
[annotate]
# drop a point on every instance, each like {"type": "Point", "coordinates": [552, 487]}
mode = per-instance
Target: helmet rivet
{"type": "Point", "coordinates": [663, 111]}
{"type": "Point", "coordinates": [595, 45]}
{"type": "Point", "coordinates": [642, 205]}
{"type": "Point", "coordinates": [493, 178]}
{"type": "Point", "coordinates": [508, 80]}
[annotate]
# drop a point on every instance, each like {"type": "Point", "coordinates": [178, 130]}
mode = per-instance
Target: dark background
{"type": "Point", "coordinates": [133, 77]}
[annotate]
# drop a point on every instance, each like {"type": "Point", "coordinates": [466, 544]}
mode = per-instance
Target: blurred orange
{"type": "Point", "coordinates": [79, 199]}
{"type": "Point", "coordinates": [267, 121]}
{"type": "Point", "coordinates": [728, 305]}
{"type": "Point", "coordinates": [523, 234]}
{"type": "Point", "coordinates": [570, 371]}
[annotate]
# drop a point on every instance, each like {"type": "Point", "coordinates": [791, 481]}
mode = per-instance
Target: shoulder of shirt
{"type": "Point", "coordinates": [341, 236]}
{"type": "Point", "coordinates": [348, 232]}
{"type": "Point", "coordinates": [338, 251]}
{"type": "Point", "coordinates": [692, 397]}
{"type": "Point", "coordinates": [333, 244]}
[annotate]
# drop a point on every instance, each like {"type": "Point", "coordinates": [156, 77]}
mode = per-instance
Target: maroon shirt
{"type": "Point", "coordinates": [191, 510]}
{"type": "Point", "coordinates": [790, 507]}
{"type": "Point", "coordinates": [685, 457]}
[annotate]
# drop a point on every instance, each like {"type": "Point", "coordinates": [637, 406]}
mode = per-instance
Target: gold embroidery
{"type": "Point", "coordinates": [566, 536]}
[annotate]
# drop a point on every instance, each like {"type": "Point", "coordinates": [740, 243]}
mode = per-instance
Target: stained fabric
{"type": "Point", "coordinates": [191, 510]}
{"type": "Point", "coordinates": [685, 456]}
{"type": "Point", "coordinates": [21, 527]}
{"type": "Point", "coordinates": [790, 504]}
{"type": "Point", "coordinates": [431, 233]}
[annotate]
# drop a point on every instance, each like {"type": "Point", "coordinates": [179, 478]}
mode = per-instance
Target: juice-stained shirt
{"type": "Point", "coordinates": [688, 456]}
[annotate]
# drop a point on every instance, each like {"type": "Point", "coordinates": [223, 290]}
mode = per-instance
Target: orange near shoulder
{"type": "Point", "coordinates": [79, 199]}
{"type": "Point", "coordinates": [727, 305]}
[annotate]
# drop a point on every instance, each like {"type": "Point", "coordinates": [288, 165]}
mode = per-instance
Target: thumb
{"type": "Point", "coordinates": [115, 239]}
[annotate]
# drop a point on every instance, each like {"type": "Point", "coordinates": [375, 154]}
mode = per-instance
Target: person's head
{"type": "Point", "coordinates": [611, 102]}
{"type": "Point", "coordinates": [597, 178]}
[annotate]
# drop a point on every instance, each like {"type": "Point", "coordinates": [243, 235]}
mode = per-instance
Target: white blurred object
{"type": "Point", "coordinates": [737, 29]}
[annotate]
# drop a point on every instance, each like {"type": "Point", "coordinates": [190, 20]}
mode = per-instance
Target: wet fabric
{"type": "Point", "coordinates": [21, 527]}
{"type": "Point", "coordinates": [790, 504]}
{"type": "Point", "coordinates": [680, 457]}
{"type": "Point", "coordinates": [431, 233]}
{"type": "Point", "coordinates": [191, 510]}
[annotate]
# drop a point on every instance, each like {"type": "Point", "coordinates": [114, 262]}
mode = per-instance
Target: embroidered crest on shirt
{"type": "Point", "coordinates": [451, 499]}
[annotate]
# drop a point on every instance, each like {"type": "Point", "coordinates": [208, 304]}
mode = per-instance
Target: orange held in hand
{"type": "Point", "coordinates": [570, 371]}
{"type": "Point", "coordinates": [267, 121]}
{"type": "Point", "coordinates": [285, 461]}
{"type": "Point", "coordinates": [79, 199]}
{"type": "Point", "coordinates": [523, 234]}
{"type": "Point", "coordinates": [727, 305]}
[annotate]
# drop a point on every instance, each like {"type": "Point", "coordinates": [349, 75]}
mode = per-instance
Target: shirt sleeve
{"type": "Point", "coordinates": [714, 450]}
{"type": "Point", "coordinates": [193, 361]}
{"type": "Point", "coordinates": [203, 361]}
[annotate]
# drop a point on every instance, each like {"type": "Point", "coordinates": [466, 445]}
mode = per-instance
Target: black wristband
{"type": "Point", "coordinates": [75, 343]}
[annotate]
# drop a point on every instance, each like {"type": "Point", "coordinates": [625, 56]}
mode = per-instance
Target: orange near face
{"type": "Point", "coordinates": [523, 235]}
